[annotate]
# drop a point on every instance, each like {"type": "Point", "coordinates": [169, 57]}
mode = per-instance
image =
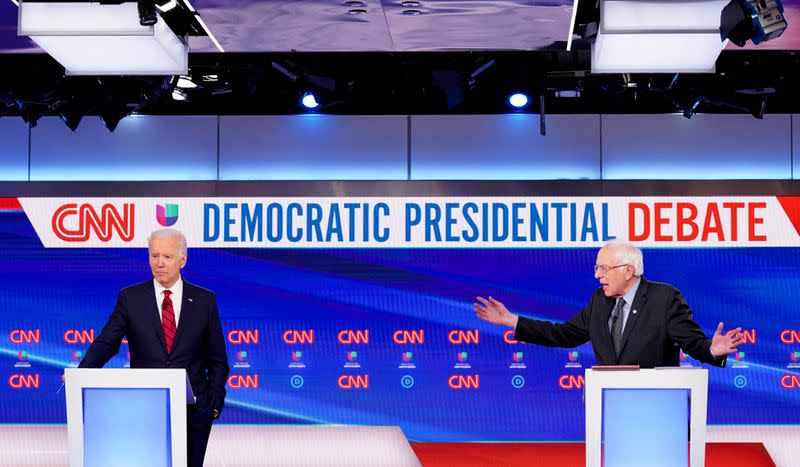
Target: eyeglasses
{"type": "Point", "coordinates": [603, 269]}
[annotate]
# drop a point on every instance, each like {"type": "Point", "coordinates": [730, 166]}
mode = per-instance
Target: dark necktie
{"type": "Point", "coordinates": [616, 326]}
{"type": "Point", "coordinates": [168, 320]}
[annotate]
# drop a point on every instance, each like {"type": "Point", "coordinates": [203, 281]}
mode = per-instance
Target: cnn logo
{"type": "Point", "coordinates": [348, 336]}
{"type": "Point", "coordinates": [458, 336]}
{"type": "Point", "coordinates": [748, 336]}
{"type": "Point", "coordinates": [302, 336]}
{"type": "Point", "coordinates": [790, 382]}
{"type": "Point", "coordinates": [18, 381]}
{"type": "Point", "coordinates": [571, 381]}
{"type": "Point", "coordinates": [464, 382]}
{"type": "Point", "coordinates": [75, 336]}
{"type": "Point", "coordinates": [413, 336]}
{"type": "Point", "coordinates": [73, 223]}
{"type": "Point", "coordinates": [790, 336]}
{"type": "Point", "coordinates": [353, 382]}
{"type": "Point", "coordinates": [243, 381]}
{"type": "Point", "coordinates": [25, 336]}
{"type": "Point", "coordinates": [247, 336]}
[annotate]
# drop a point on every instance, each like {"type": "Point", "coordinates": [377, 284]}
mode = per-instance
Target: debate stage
{"type": "Point", "coordinates": [256, 446]}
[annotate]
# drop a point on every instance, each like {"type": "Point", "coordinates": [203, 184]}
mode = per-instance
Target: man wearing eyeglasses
{"type": "Point", "coordinates": [630, 320]}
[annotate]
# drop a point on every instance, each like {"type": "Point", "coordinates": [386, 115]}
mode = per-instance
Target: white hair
{"type": "Point", "coordinates": [627, 253]}
{"type": "Point", "coordinates": [167, 233]}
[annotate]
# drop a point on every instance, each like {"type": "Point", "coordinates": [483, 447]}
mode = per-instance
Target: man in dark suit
{"type": "Point", "coordinates": [629, 320]}
{"type": "Point", "coordinates": [170, 323]}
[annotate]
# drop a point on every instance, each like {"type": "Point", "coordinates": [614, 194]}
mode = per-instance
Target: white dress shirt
{"type": "Point", "coordinates": [177, 298]}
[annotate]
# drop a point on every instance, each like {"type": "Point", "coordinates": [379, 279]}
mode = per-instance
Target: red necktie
{"type": "Point", "coordinates": [168, 320]}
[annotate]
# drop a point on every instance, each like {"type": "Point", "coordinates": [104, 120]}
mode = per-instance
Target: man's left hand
{"type": "Point", "coordinates": [727, 343]}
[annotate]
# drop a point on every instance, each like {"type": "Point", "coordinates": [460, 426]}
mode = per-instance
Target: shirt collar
{"type": "Point", "coordinates": [631, 293]}
{"type": "Point", "coordinates": [177, 287]}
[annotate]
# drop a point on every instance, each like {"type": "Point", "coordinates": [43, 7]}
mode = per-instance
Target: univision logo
{"type": "Point", "coordinates": [167, 215]}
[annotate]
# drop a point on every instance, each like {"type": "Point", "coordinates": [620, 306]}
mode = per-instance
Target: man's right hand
{"type": "Point", "coordinates": [494, 312]}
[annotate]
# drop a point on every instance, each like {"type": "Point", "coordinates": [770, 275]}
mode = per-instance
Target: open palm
{"type": "Point", "coordinates": [494, 312]}
{"type": "Point", "coordinates": [725, 343]}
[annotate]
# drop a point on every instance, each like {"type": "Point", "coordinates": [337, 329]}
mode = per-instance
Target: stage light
{"type": "Point", "coordinates": [185, 82]}
{"type": "Point", "coordinates": [309, 101]}
{"type": "Point", "coordinates": [72, 111]}
{"type": "Point", "coordinates": [101, 39]}
{"type": "Point", "coordinates": [759, 20]}
{"type": "Point", "coordinates": [518, 100]}
{"type": "Point", "coordinates": [178, 95]}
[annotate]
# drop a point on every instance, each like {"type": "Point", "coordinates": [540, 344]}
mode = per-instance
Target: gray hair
{"type": "Point", "coordinates": [627, 253]}
{"type": "Point", "coordinates": [167, 233]}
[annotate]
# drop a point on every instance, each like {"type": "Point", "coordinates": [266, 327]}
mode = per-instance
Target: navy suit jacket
{"type": "Point", "coordinates": [659, 325]}
{"type": "Point", "coordinates": [199, 344]}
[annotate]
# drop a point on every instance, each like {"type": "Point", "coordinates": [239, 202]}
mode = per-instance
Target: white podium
{"type": "Point", "coordinates": [127, 417]}
{"type": "Point", "coordinates": [653, 417]}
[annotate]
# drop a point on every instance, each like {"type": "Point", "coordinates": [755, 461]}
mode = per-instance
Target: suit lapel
{"type": "Point", "coordinates": [636, 310]}
{"type": "Point", "coordinates": [155, 316]}
{"type": "Point", "coordinates": [187, 306]}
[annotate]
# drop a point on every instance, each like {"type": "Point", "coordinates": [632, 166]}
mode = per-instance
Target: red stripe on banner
{"type": "Point", "coordinates": [10, 204]}
{"type": "Point", "coordinates": [791, 206]}
{"type": "Point", "coordinates": [565, 454]}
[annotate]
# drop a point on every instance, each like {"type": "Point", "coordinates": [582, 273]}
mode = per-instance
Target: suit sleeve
{"type": "Point", "coordinates": [682, 329]}
{"type": "Point", "coordinates": [106, 345]}
{"type": "Point", "coordinates": [216, 363]}
{"type": "Point", "coordinates": [570, 333]}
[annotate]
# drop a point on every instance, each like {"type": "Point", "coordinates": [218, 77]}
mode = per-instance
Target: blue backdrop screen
{"type": "Point", "coordinates": [272, 301]}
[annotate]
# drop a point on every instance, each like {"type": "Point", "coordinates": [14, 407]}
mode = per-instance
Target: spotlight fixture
{"type": "Point", "coordinates": [756, 20]}
{"type": "Point", "coordinates": [178, 95]}
{"type": "Point", "coordinates": [518, 100]}
{"type": "Point", "coordinates": [309, 101]}
{"type": "Point", "coordinates": [185, 82]}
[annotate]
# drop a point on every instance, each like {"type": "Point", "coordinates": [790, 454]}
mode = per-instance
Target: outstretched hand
{"type": "Point", "coordinates": [494, 312]}
{"type": "Point", "coordinates": [727, 343]}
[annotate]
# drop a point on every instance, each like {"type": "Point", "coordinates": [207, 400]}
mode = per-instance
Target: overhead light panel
{"type": "Point", "coordinates": [658, 36]}
{"type": "Point", "coordinates": [100, 39]}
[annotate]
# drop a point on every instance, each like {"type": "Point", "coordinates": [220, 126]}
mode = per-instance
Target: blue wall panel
{"type": "Point", "coordinates": [313, 147]}
{"type": "Point", "coordinates": [13, 150]}
{"type": "Point", "coordinates": [141, 148]}
{"type": "Point", "coordinates": [704, 147]}
{"type": "Point", "coordinates": [505, 147]}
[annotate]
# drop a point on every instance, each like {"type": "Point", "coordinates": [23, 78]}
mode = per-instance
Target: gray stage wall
{"type": "Point", "coordinates": [461, 147]}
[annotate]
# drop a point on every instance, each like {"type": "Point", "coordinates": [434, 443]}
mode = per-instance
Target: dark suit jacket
{"type": "Point", "coordinates": [199, 344]}
{"type": "Point", "coordinates": [653, 335]}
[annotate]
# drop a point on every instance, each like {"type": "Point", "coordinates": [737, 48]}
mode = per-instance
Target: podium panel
{"type": "Point", "coordinates": [117, 422]}
{"type": "Point", "coordinates": [653, 417]}
{"type": "Point", "coordinates": [127, 417]}
{"type": "Point", "coordinates": [662, 442]}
